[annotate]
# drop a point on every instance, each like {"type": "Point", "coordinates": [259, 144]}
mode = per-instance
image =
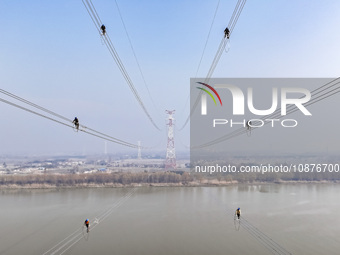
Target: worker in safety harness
{"type": "Point", "coordinates": [226, 33]}
{"type": "Point", "coordinates": [238, 213]}
{"type": "Point", "coordinates": [87, 224]}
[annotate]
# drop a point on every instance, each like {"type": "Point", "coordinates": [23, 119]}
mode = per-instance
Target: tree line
{"type": "Point", "coordinates": [176, 177]}
{"type": "Point", "coordinates": [96, 178]}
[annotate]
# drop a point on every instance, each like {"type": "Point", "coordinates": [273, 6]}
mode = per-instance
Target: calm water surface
{"type": "Point", "coordinates": [169, 220]}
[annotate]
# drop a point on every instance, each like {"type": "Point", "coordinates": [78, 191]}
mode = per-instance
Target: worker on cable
{"type": "Point", "coordinates": [103, 29]}
{"type": "Point", "coordinates": [238, 213]}
{"type": "Point", "coordinates": [248, 125]}
{"type": "Point", "coordinates": [87, 224]}
{"type": "Point", "coordinates": [76, 123]}
{"type": "Point", "coordinates": [226, 33]}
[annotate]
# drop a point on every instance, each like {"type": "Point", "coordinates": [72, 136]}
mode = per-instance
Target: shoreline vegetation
{"type": "Point", "coordinates": [156, 179]}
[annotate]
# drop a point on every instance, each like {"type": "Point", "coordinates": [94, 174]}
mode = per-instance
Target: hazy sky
{"type": "Point", "coordinates": [52, 55]}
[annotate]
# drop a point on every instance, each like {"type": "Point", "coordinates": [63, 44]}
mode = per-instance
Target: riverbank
{"type": "Point", "coordinates": [157, 179]}
{"type": "Point", "coordinates": [203, 183]}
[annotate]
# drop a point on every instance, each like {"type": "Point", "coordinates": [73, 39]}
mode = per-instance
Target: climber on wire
{"type": "Point", "coordinates": [226, 33]}
{"type": "Point", "coordinates": [103, 29]}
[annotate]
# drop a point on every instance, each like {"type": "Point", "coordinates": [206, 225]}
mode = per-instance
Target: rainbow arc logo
{"type": "Point", "coordinates": [209, 93]}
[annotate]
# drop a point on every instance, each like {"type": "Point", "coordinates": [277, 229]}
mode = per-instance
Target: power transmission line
{"type": "Point", "coordinates": [224, 41]}
{"type": "Point", "coordinates": [66, 122]}
{"type": "Point", "coordinates": [330, 89]}
{"type": "Point", "coordinates": [270, 244]}
{"type": "Point", "coordinates": [135, 56]}
{"type": "Point", "coordinates": [97, 22]}
{"type": "Point", "coordinates": [204, 48]}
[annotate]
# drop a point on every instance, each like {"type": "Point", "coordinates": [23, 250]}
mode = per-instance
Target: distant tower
{"type": "Point", "coordinates": [139, 151]}
{"type": "Point", "coordinates": [105, 148]}
{"type": "Point", "coordinates": [170, 161]}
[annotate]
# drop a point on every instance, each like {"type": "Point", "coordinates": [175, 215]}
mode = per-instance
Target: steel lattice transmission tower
{"type": "Point", "coordinates": [170, 161]}
{"type": "Point", "coordinates": [139, 151]}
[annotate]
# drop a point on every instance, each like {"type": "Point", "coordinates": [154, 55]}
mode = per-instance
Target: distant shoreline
{"type": "Point", "coordinates": [150, 179]}
{"type": "Point", "coordinates": [205, 183]}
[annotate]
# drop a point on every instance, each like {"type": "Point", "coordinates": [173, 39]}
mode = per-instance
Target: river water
{"type": "Point", "coordinates": [296, 219]}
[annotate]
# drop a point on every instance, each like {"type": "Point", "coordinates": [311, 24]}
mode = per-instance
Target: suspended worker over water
{"type": "Point", "coordinates": [87, 224]}
{"type": "Point", "coordinates": [238, 213]}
